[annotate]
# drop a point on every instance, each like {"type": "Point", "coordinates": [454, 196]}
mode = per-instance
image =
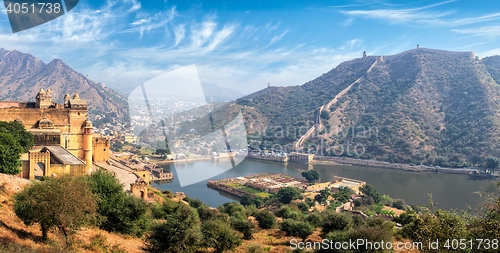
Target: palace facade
{"type": "Point", "coordinates": [64, 142]}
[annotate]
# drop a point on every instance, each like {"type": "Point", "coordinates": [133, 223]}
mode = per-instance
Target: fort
{"type": "Point", "coordinates": [64, 142]}
{"type": "Point", "coordinates": [266, 184]}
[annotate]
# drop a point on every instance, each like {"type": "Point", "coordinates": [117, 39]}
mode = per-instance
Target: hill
{"type": "Point", "coordinates": [420, 106]}
{"type": "Point", "coordinates": [23, 75]}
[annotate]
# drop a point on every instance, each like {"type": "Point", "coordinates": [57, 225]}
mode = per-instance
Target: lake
{"type": "Point", "coordinates": [449, 191]}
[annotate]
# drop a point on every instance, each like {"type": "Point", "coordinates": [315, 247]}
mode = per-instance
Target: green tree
{"type": "Point", "coordinates": [336, 221]}
{"type": "Point", "coordinates": [375, 230]}
{"type": "Point", "coordinates": [287, 194]}
{"type": "Point", "coordinates": [219, 235]}
{"type": "Point", "coordinates": [10, 154]}
{"type": "Point", "coordinates": [248, 200]}
{"type": "Point", "coordinates": [118, 211]}
{"type": "Point", "coordinates": [344, 194]}
{"type": "Point", "coordinates": [116, 145]}
{"type": "Point", "coordinates": [244, 226]}
{"type": "Point", "coordinates": [438, 226]}
{"type": "Point", "coordinates": [487, 224]}
{"type": "Point", "coordinates": [286, 212]}
{"type": "Point", "coordinates": [179, 234]}
{"type": "Point", "coordinates": [325, 115]}
{"type": "Point", "coordinates": [492, 162]}
{"type": "Point", "coordinates": [66, 203]}
{"type": "Point", "coordinates": [370, 191]}
{"type": "Point", "coordinates": [301, 229]}
{"type": "Point", "coordinates": [323, 195]}
{"type": "Point", "coordinates": [17, 130]}
{"type": "Point", "coordinates": [311, 175]}
{"type": "Point", "coordinates": [265, 219]}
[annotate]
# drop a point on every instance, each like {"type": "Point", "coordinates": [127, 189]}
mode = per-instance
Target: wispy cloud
{"type": "Point", "coordinates": [420, 15]}
{"type": "Point", "coordinates": [347, 22]}
{"type": "Point", "coordinates": [482, 31]}
{"type": "Point", "coordinates": [179, 33]}
{"type": "Point", "coordinates": [399, 15]}
{"type": "Point", "coordinates": [277, 38]}
{"type": "Point", "coordinates": [200, 33]}
{"type": "Point", "coordinates": [156, 21]}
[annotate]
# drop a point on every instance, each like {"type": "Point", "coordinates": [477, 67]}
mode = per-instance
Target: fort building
{"type": "Point", "coordinates": [64, 142]}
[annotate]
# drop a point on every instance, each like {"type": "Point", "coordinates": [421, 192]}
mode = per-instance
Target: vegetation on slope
{"type": "Point", "coordinates": [422, 106]}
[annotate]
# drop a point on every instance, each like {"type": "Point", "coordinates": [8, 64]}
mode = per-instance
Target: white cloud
{"type": "Point", "coordinates": [221, 36]}
{"type": "Point", "coordinates": [200, 33]}
{"type": "Point", "coordinates": [179, 33]}
{"type": "Point", "coordinates": [398, 16]}
{"type": "Point", "coordinates": [346, 23]}
{"type": "Point", "coordinates": [278, 37]}
{"type": "Point", "coordinates": [495, 51]}
{"type": "Point", "coordinates": [141, 21]}
{"type": "Point", "coordinates": [420, 15]}
{"type": "Point", "coordinates": [483, 31]}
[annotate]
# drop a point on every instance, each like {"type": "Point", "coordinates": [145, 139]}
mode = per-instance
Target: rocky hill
{"type": "Point", "coordinates": [420, 106]}
{"type": "Point", "coordinates": [23, 75]}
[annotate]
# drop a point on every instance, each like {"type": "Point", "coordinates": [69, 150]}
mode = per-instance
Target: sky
{"type": "Point", "coordinates": [244, 45]}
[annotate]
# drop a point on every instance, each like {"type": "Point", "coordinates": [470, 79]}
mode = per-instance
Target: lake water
{"type": "Point", "coordinates": [449, 191]}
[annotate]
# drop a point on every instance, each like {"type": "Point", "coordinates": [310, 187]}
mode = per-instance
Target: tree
{"type": "Point", "coordinates": [487, 224]}
{"type": "Point", "coordinates": [370, 191]}
{"type": "Point", "coordinates": [435, 227]}
{"type": "Point", "coordinates": [344, 194]}
{"type": "Point", "coordinates": [162, 151]}
{"type": "Point", "coordinates": [116, 145]}
{"type": "Point", "coordinates": [219, 235]}
{"type": "Point", "coordinates": [10, 154]}
{"type": "Point", "coordinates": [301, 229]}
{"type": "Point", "coordinates": [335, 222]}
{"type": "Point", "coordinates": [324, 115]}
{"type": "Point", "coordinates": [248, 200]}
{"type": "Point", "coordinates": [17, 130]}
{"type": "Point", "coordinates": [244, 226]}
{"type": "Point", "coordinates": [118, 211]}
{"type": "Point", "coordinates": [265, 219]}
{"type": "Point", "coordinates": [180, 233]}
{"type": "Point", "coordinates": [287, 194]}
{"type": "Point", "coordinates": [323, 195]}
{"type": "Point", "coordinates": [492, 162]}
{"type": "Point", "coordinates": [287, 213]}
{"type": "Point", "coordinates": [375, 230]}
{"type": "Point", "coordinates": [65, 202]}
{"type": "Point", "coordinates": [311, 175]}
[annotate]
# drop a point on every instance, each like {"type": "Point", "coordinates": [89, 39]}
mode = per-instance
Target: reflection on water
{"type": "Point", "coordinates": [448, 191]}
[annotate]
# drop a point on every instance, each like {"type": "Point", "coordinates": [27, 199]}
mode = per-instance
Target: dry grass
{"type": "Point", "coordinates": [15, 236]}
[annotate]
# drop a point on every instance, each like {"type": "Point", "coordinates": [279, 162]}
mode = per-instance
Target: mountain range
{"type": "Point", "coordinates": [422, 106]}
{"type": "Point", "coordinates": [23, 75]}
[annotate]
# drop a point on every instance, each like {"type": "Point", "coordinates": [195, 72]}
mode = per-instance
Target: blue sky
{"type": "Point", "coordinates": [246, 44]}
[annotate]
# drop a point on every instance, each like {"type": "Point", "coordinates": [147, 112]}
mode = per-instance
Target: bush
{"type": "Point", "coordinates": [301, 229]}
{"type": "Point", "coordinates": [243, 226]}
{"type": "Point", "coordinates": [219, 235]}
{"type": "Point", "coordinates": [179, 234]}
{"type": "Point", "coordinates": [65, 202]}
{"type": "Point", "coordinates": [287, 194]}
{"type": "Point", "coordinates": [336, 222]}
{"type": "Point", "coordinates": [265, 219]}
{"type": "Point", "coordinates": [287, 213]}
{"type": "Point", "coordinates": [119, 211]}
